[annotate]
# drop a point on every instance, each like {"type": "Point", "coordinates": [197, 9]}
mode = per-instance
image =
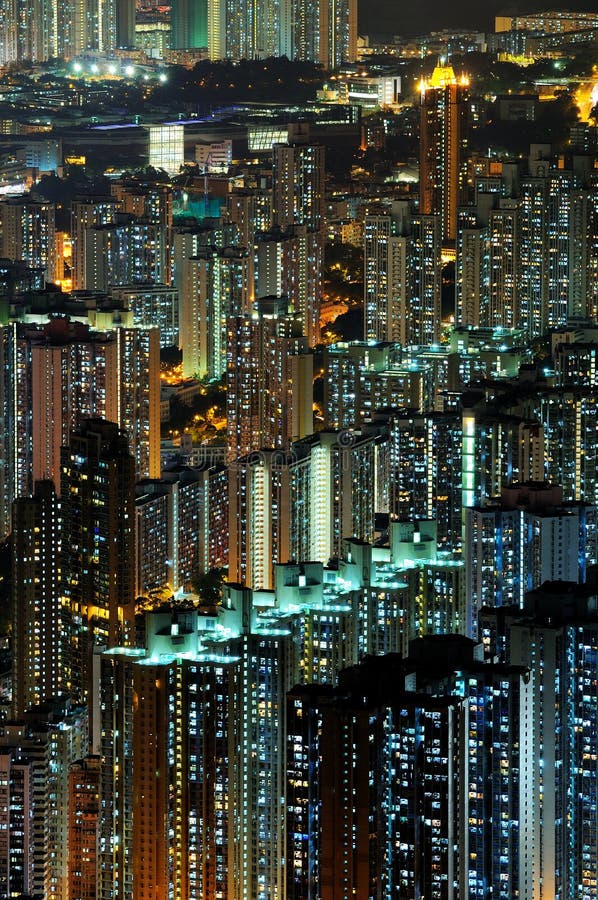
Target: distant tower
{"type": "Point", "coordinates": [443, 135]}
{"type": "Point", "coordinates": [298, 186]}
{"type": "Point", "coordinates": [189, 24]}
{"type": "Point", "coordinates": [87, 213]}
{"type": "Point", "coordinates": [125, 23]}
{"type": "Point", "coordinates": [325, 32]}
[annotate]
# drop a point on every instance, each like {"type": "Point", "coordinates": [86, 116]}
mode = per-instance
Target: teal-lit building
{"type": "Point", "coordinates": [189, 24]}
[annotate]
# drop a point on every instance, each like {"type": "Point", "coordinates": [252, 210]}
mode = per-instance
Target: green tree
{"type": "Point", "coordinates": [208, 586]}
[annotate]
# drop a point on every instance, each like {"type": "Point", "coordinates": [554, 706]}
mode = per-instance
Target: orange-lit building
{"type": "Point", "coordinates": [443, 138]}
{"type": "Point", "coordinates": [84, 806]}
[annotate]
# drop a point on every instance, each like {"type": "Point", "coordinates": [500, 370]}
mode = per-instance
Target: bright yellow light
{"type": "Point", "coordinates": [586, 98]}
{"type": "Point", "coordinates": [442, 76]}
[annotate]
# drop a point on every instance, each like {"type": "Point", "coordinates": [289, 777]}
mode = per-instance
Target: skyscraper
{"type": "Point", "coordinates": [443, 136]}
{"type": "Point", "coordinates": [192, 778]}
{"type": "Point", "coordinates": [402, 264]}
{"type": "Point", "coordinates": [98, 482]}
{"type": "Point", "coordinates": [28, 233]}
{"type": "Point", "coordinates": [57, 374]}
{"type": "Point", "coordinates": [87, 213]}
{"type": "Point", "coordinates": [182, 523]}
{"type": "Point", "coordinates": [288, 263]}
{"type": "Point", "coordinates": [325, 31]}
{"type": "Point", "coordinates": [35, 754]}
{"type": "Point", "coordinates": [152, 305]}
{"type": "Point", "coordinates": [298, 183]}
{"type": "Point", "coordinates": [83, 813]}
{"type": "Point", "coordinates": [257, 29]}
{"type": "Point", "coordinates": [390, 787]}
{"type": "Point", "coordinates": [125, 250]}
{"type": "Point", "coordinates": [524, 250]}
{"type": "Point", "coordinates": [267, 522]}
{"type": "Point", "coordinates": [556, 638]}
{"type": "Point", "coordinates": [189, 24]}
{"type": "Point", "coordinates": [386, 277]}
{"type": "Point", "coordinates": [298, 194]}
{"type": "Point", "coordinates": [38, 648]}
{"type": "Point", "coordinates": [217, 284]}
{"type": "Point", "coordinates": [530, 536]}
{"type": "Point", "coordinates": [269, 375]}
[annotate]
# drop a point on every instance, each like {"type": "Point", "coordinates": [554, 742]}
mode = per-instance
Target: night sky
{"type": "Point", "coordinates": [408, 17]}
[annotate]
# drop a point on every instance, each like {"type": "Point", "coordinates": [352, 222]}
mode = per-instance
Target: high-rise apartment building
{"type": "Point", "coordinates": [548, 22]}
{"type": "Point", "coordinates": [551, 433]}
{"type": "Point", "coordinates": [39, 30]}
{"type": "Point", "coordinates": [389, 785]}
{"type": "Point", "coordinates": [251, 211]}
{"type": "Point", "coordinates": [16, 856]}
{"type": "Point", "coordinates": [301, 504]}
{"type": "Point", "coordinates": [189, 24]}
{"type": "Point", "coordinates": [199, 809]}
{"type": "Point", "coordinates": [152, 305]}
{"type": "Point", "coordinates": [268, 523]}
{"type": "Point", "coordinates": [487, 276]}
{"type": "Point", "coordinates": [128, 249]}
{"type": "Point", "coordinates": [37, 649]}
{"type": "Point", "coordinates": [350, 369]}
{"type": "Point", "coordinates": [402, 286]}
{"type": "Point", "coordinates": [35, 756]}
{"type": "Point", "coordinates": [193, 726]}
{"type": "Point", "coordinates": [87, 213]}
{"type": "Point", "coordinates": [28, 233]}
{"type": "Point", "coordinates": [115, 851]}
{"type": "Point", "coordinates": [98, 487]}
{"type": "Point", "coordinates": [83, 812]}
{"type": "Point", "coordinates": [139, 395]}
{"type": "Point", "coordinates": [341, 490]}
{"type": "Point", "coordinates": [51, 375]}
{"type": "Point", "coordinates": [71, 376]}
{"type": "Point", "coordinates": [288, 263]}
{"type": "Point", "coordinates": [150, 200]}
{"type": "Point", "coordinates": [269, 376]}
{"type": "Point", "coordinates": [298, 185]}
{"type": "Point", "coordinates": [524, 250]}
{"type": "Point", "coordinates": [443, 136]}
{"type": "Point", "coordinates": [182, 528]}
{"type": "Point", "coordinates": [530, 536]}
{"type": "Point", "coordinates": [421, 310]}
{"type": "Point", "coordinates": [255, 30]}
{"type": "Point", "coordinates": [298, 194]}
{"type": "Point", "coordinates": [58, 373]}
{"type": "Point", "coordinates": [555, 638]}
{"type": "Point", "coordinates": [325, 31]}
{"type": "Point", "coordinates": [425, 471]}
{"type": "Point", "coordinates": [385, 273]}
{"type": "Point", "coordinates": [16, 277]}
{"type": "Point", "coordinates": [217, 283]}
